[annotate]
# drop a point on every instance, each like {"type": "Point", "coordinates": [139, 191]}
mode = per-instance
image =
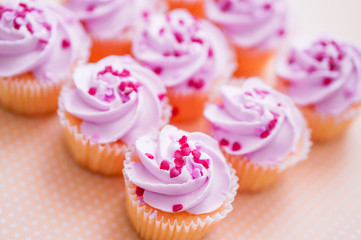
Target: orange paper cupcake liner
{"type": "Point", "coordinates": [106, 159]}
{"type": "Point", "coordinates": [255, 177]}
{"type": "Point", "coordinates": [26, 95]}
{"type": "Point", "coordinates": [251, 63]}
{"type": "Point", "coordinates": [196, 7]}
{"type": "Point", "coordinates": [102, 48]}
{"type": "Point", "coordinates": [153, 224]}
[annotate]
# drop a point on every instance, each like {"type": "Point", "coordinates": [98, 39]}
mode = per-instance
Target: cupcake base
{"type": "Point", "coordinates": [24, 94]}
{"type": "Point", "coordinates": [102, 48]}
{"type": "Point", "coordinates": [152, 224]}
{"type": "Point", "coordinates": [254, 177]}
{"type": "Point", "coordinates": [196, 7]}
{"type": "Point", "coordinates": [251, 63]}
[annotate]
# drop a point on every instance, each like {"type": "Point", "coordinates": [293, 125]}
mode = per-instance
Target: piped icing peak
{"type": "Point", "coordinates": [41, 38]}
{"type": "Point", "coordinates": [325, 73]}
{"type": "Point", "coordinates": [180, 171]}
{"type": "Point", "coordinates": [111, 18]}
{"type": "Point", "coordinates": [257, 122]}
{"type": "Point", "coordinates": [257, 24]}
{"type": "Point", "coordinates": [186, 52]}
{"type": "Point", "coordinates": [116, 98]}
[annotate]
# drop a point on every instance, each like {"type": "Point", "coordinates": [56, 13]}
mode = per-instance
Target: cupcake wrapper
{"type": "Point", "coordinates": [256, 176]}
{"type": "Point", "coordinates": [25, 95]}
{"type": "Point", "coordinates": [103, 47]}
{"type": "Point", "coordinates": [106, 159]}
{"type": "Point", "coordinates": [155, 224]}
{"type": "Point", "coordinates": [195, 7]}
{"type": "Point", "coordinates": [327, 127]}
{"type": "Point", "coordinates": [251, 62]}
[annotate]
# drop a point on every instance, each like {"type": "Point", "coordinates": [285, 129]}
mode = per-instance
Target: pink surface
{"type": "Point", "coordinates": [45, 195]}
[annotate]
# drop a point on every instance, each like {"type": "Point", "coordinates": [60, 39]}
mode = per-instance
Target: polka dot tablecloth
{"type": "Point", "coordinates": [45, 195]}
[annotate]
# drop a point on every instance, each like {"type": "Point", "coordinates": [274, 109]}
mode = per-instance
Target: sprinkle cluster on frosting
{"type": "Point", "coordinates": [257, 122]}
{"type": "Point", "coordinates": [324, 73]}
{"type": "Point", "coordinates": [257, 24]}
{"type": "Point", "coordinates": [111, 18]}
{"type": "Point", "coordinates": [38, 37]}
{"type": "Point", "coordinates": [185, 52]}
{"type": "Point", "coordinates": [116, 98]}
{"type": "Point", "coordinates": [180, 171]}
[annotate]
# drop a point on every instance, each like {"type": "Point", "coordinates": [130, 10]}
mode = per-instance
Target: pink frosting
{"type": "Point", "coordinates": [180, 171]}
{"type": "Point", "coordinates": [116, 98]}
{"type": "Point", "coordinates": [42, 38]}
{"type": "Point", "coordinates": [257, 24]}
{"type": "Point", "coordinates": [257, 122]}
{"type": "Point", "coordinates": [110, 18]}
{"type": "Point", "coordinates": [324, 73]}
{"type": "Point", "coordinates": [185, 52]}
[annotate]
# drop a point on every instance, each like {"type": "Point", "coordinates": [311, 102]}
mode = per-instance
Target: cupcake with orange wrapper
{"type": "Point", "coordinates": [196, 7]}
{"type": "Point", "coordinates": [178, 185]}
{"type": "Point", "coordinates": [260, 131]}
{"type": "Point", "coordinates": [323, 77]}
{"type": "Point", "coordinates": [190, 56]}
{"type": "Point", "coordinates": [111, 24]}
{"type": "Point", "coordinates": [110, 104]}
{"type": "Point", "coordinates": [40, 45]}
{"type": "Point", "coordinates": [255, 28]}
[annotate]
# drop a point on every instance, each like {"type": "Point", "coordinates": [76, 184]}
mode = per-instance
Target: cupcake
{"type": "Point", "coordinates": [260, 131]}
{"type": "Point", "coordinates": [111, 24]}
{"type": "Point", "coordinates": [40, 45]}
{"type": "Point", "coordinates": [178, 185]}
{"type": "Point", "coordinates": [196, 7]}
{"type": "Point", "coordinates": [190, 56]}
{"type": "Point", "coordinates": [255, 28]}
{"type": "Point", "coordinates": [110, 104]}
{"type": "Point", "coordinates": [323, 77]}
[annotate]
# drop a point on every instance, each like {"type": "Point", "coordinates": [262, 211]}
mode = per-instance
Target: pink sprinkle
{"type": "Point", "coordinates": [125, 73]}
{"type": "Point", "coordinates": [158, 70]}
{"type": "Point", "coordinates": [150, 156]}
{"type": "Point", "coordinates": [177, 53]}
{"type": "Point", "coordinates": [164, 165]}
{"type": "Point", "coordinates": [178, 154]}
{"type": "Point", "coordinates": [167, 54]}
{"type": "Point", "coordinates": [265, 134]}
{"type": "Point", "coordinates": [248, 94]}
{"type": "Point", "coordinates": [174, 172]}
{"type": "Point", "coordinates": [177, 207]}
{"type": "Point", "coordinates": [281, 32]}
{"type": "Point", "coordinates": [272, 124]}
{"type": "Point", "coordinates": [197, 40]}
{"type": "Point", "coordinates": [279, 104]}
{"type": "Point", "coordinates": [161, 31]}
{"type": "Point", "coordinates": [183, 140]}
{"type": "Point", "coordinates": [179, 162]}
{"type": "Point", "coordinates": [161, 96]}
{"type": "Point", "coordinates": [224, 142]}
{"type": "Point", "coordinates": [291, 60]}
{"type": "Point", "coordinates": [204, 162]}
{"type": "Point", "coordinates": [65, 43]}
{"type": "Point", "coordinates": [139, 191]}
{"type": "Point", "coordinates": [185, 149]}
{"type": "Point", "coordinates": [92, 91]}
{"type": "Point", "coordinates": [267, 6]}
{"type": "Point", "coordinates": [175, 111]}
{"type": "Point", "coordinates": [178, 37]}
{"type": "Point", "coordinates": [327, 81]}
{"type": "Point", "coordinates": [197, 84]}
{"type": "Point", "coordinates": [30, 28]}
{"type": "Point", "coordinates": [210, 53]}
{"type": "Point", "coordinates": [122, 86]}
{"type": "Point", "coordinates": [43, 41]}
{"type": "Point", "coordinates": [46, 26]}
{"type": "Point", "coordinates": [90, 8]}
{"type": "Point", "coordinates": [226, 6]}
{"type": "Point", "coordinates": [332, 64]}
{"type": "Point", "coordinates": [236, 146]}
{"type": "Point", "coordinates": [145, 14]}
{"type": "Point", "coordinates": [196, 154]}
{"type": "Point", "coordinates": [181, 22]}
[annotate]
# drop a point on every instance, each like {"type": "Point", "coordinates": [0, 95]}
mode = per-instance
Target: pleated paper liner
{"type": "Point", "coordinates": [153, 224]}
{"type": "Point", "coordinates": [24, 94]}
{"type": "Point", "coordinates": [255, 176]}
{"type": "Point", "coordinates": [106, 159]}
{"type": "Point", "coordinates": [103, 47]}
{"type": "Point", "coordinates": [196, 7]}
{"type": "Point", "coordinates": [251, 62]}
{"type": "Point", "coordinates": [324, 127]}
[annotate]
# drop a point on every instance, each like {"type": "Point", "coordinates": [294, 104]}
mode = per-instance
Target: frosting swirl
{"type": "Point", "coordinates": [116, 98]}
{"type": "Point", "coordinates": [110, 18]}
{"type": "Point", "coordinates": [257, 122]}
{"type": "Point", "coordinates": [324, 73]}
{"type": "Point", "coordinates": [185, 52]}
{"type": "Point", "coordinates": [42, 38]}
{"type": "Point", "coordinates": [180, 171]}
{"type": "Point", "coordinates": [257, 24]}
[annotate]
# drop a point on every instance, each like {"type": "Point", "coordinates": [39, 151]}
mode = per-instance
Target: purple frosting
{"type": "Point", "coordinates": [324, 73]}
{"type": "Point", "coordinates": [42, 38]}
{"type": "Point", "coordinates": [180, 171]}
